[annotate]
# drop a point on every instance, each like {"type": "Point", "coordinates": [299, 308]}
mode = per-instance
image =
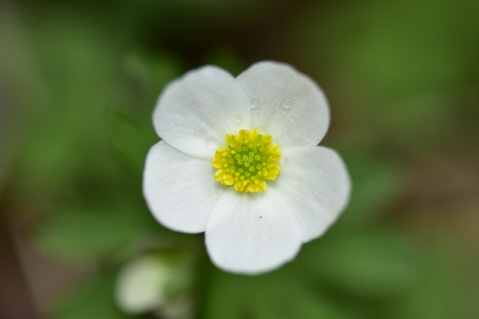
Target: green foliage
{"type": "Point", "coordinates": [94, 231]}
{"type": "Point", "coordinates": [128, 145]}
{"type": "Point", "coordinates": [93, 298]}
{"type": "Point", "coordinates": [376, 184]}
{"type": "Point", "coordinates": [397, 67]}
{"type": "Point", "coordinates": [373, 265]}
{"type": "Point", "coordinates": [276, 295]}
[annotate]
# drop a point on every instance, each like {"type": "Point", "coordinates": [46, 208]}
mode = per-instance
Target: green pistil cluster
{"type": "Point", "coordinates": [247, 161]}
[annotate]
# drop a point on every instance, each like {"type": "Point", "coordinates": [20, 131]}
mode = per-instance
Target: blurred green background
{"type": "Point", "coordinates": [78, 83]}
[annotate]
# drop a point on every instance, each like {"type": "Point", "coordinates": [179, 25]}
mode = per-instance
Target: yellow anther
{"type": "Point", "coordinates": [217, 162]}
{"type": "Point", "coordinates": [231, 140]}
{"type": "Point", "coordinates": [247, 161]}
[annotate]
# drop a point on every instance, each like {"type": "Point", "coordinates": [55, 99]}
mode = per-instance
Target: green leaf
{"type": "Point", "coordinates": [377, 264]}
{"type": "Point", "coordinates": [277, 295]}
{"type": "Point", "coordinates": [129, 143]}
{"type": "Point", "coordinates": [227, 59]}
{"type": "Point", "coordinates": [93, 298]}
{"type": "Point", "coordinates": [89, 232]}
{"type": "Point", "coordinates": [64, 130]}
{"type": "Point", "coordinates": [450, 286]}
{"type": "Point", "coordinates": [376, 184]}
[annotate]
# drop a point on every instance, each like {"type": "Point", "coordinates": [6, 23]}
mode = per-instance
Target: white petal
{"type": "Point", "coordinates": [251, 233]}
{"type": "Point", "coordinates": [180, 190]}
{"type": "Point", "coordinates": [197, 111]}
{"type": "Point", "coordinates": [315, 184]}
{"type": "Point", "coordinates": [285, 103]}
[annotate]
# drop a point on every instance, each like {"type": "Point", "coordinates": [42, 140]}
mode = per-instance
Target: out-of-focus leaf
{"type": "Point", "coordinates": [129, 143]}
{"type": "Point", "coordinates": [449, 288]}
{"type": "Point", "coordinates": [399, 49]}
{"type": "Point", "coordinates": [426, 119]}
{"type": "Point", "coordinates": [376, 184]}
{"type": "Point", "coordinates": [150, 73]}
{"type": "Point", "coordinates": [376, 265]}
{"type": "Point", "coordinates": [226, 59]}
{"type": "Point", "coordinates": [212, 8]}
{"type": "Point", "coordinates": [64, 127]}
{"type": "Point", "coordinates": [89, 232]}
{"type": "Point", "coordinates": [130, 130]}
{"type": "Point", "coordinates": [93, 298]}
{"type": "Point", "coordinates": [395, 66]}
{"type": "Point", "coordinates": [276, 295]}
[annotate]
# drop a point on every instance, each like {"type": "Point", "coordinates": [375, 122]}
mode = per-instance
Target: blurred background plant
{"type": "Point", "coordinates": [78, 83]}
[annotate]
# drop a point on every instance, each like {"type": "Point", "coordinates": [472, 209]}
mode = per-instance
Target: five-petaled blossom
{"type": "Point", "coordinates": [239, 161]}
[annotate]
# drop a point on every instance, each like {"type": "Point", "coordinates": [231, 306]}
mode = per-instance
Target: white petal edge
{"type": "Point", "coordinates": [285, 103]}
{"type": "Point", "coordinates": [315, 184]}
{"type": "Point", "coordinates": [251, 233]}
{"type": "Point", "coordinates": [180, 190]}
{"type": "Point", "coordinates": [197, 111]}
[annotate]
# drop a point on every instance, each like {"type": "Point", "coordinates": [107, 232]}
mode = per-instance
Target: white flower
{"type": "Point", "coordinates": [256, 209]}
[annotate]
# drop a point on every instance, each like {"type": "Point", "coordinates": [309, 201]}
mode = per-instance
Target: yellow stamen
{"type": "Point", "coordinates": [247, 161]}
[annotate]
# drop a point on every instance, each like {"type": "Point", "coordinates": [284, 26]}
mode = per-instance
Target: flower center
{"type": "Point", "coordinates": [247, 161]}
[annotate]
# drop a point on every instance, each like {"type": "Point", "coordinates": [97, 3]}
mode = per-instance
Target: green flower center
{"type": "Point", "coordinates": [247, 161]}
